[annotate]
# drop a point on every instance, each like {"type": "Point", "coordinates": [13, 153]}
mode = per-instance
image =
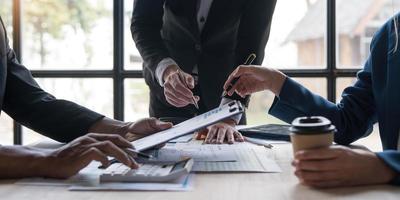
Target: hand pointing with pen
{"type": "Point", "coordinates": [178, 87]}
{"type": "Point", "coordinates": [251, 79]}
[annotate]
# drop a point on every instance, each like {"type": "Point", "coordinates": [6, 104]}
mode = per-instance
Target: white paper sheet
{"type": "Point", "coordinates": [249, 157]}
{"type": "Point", "coordinates": [183, 139]}
{"type": "Point", "coordinates": [199, 153]}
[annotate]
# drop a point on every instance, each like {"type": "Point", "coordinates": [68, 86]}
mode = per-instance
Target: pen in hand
{"type": "Point", "coordinates": [194, 102]}
{"type": "Point", "coordinates": [249, 61]}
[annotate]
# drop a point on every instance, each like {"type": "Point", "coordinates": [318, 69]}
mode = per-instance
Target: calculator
{"type": "Point", "coordinates": [147, 172]}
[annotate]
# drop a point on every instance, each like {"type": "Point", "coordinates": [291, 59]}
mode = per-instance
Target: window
{"type": "Point", "coordinates": [261, 102]}
{"type": "Point", "coordinates": [298, 32]}
{"type": "Point", "coordinates": [61, 35]}
{"type": "Point", "coordinates": [136, 99]}
{"type": "Point", "coordinates": [320, 43]}
{"type": "Point", "coordinates": [357, 22]}
{"type": "Point", "coordinates": [132, 58]}
{"type": "Point", "coordinates": [92, 93]}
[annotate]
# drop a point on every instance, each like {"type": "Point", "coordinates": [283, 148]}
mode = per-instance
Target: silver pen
{"type": "Point", "coordinates": [258, 142]}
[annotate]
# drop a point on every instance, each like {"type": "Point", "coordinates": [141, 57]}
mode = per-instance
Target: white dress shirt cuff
{"type": "Point", "coordinates": [236, 118]}
{"type": "Point", "coordinates": [162, 65]}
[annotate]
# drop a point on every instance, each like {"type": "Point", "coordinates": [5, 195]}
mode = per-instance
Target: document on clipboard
{"type": "Point", "coordinates": [189, 126]}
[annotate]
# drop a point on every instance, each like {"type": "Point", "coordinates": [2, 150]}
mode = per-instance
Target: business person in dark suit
{"type": "Point", "coordinates": [189, 48]}
{"type": "Point", "coordinates": [373, 98]}
{"type": "Point", "coordinates": [23, 100]}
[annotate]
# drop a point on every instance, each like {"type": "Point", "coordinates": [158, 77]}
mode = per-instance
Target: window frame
{"type": "Point", "coordinates": [119, 73]}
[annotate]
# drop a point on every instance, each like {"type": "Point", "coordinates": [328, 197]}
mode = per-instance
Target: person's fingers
{"type": "Point", "coordinates": [235, 87]}
{"type": "Point", "coordinates": [236, 73]}
{"type": "Point", "coordinates": [92, 154]}
{"type": "Point", "coordinates": [317, 176]}
{"type": "Point", "coordinates": [318, 154]}
{"type": "Point", "coordinates": [84, 140]}
{"type": "Point", "coordinates": [182, 92]}
{"type": "Point", "coordinates": [176, 93]}
{"type": "Point", "coordinates": [197, 98]}
{"type": "Point", "coordinates": [114, 138]}
{"type": "Point", "coordinates": [229, 80]}
{"type": "Point", "coordinates": [238, 136]}
{"type": "Point", "coordinates": [229, 136]}
{"type": "Point", "coordinates": [201, 134]}
{"type": "Point", "coordinates": [324, 184]}
{"type": "Point", "coordinates": [179, 93]}
{"type": "Point", "coordinates": [241, 89]}
{"type": "Point", "coordinates": [111, 149]}
{"type": "Point", "coordinates": [189, 80]}
{"type": "Point", "coordinates": [211, 135]}
{"type": "Point", "coordinates": [252, 86]}
{"type": "Point", "coordinates": [247, 87]}
{"type": "Point", "coordinates": [174, 101]}
{"type": "Point", "coordinates": [315, 165]}
{"type": "Point", "coordinates": [221, 135]}
{"type": "Point", "coordinates": [181, 83]}
{"type": "Point", "coordinates": [158, 125]}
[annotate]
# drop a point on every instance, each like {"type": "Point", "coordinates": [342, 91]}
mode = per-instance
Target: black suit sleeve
{"type": "Point", "coordinates": [28, 104]}
{"type": "Point", "coordinates": [255, 25]}
{"type": "Point", "coordinates": [145, 28]}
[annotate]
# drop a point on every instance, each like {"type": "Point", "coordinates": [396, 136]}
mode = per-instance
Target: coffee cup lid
{"type": "Point", "coordinates": [311, 124]}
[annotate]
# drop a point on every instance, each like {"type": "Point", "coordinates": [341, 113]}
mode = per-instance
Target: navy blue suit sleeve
{"type": "Point", "coordinates": [28, 104]}
{"type": "Point", "coordinates": [353, 116]}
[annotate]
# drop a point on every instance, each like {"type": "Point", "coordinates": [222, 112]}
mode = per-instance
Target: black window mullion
{"type": "Point", "coordinates": [331, 49]}
{"type": "Point", "coordinates": [17, 46]}
{"type": "Point", "coordinates": [118, 59]}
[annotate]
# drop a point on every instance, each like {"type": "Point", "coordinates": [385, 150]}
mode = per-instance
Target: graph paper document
{"type": "Point", "coordinates": [249, 158]}
{"type": "Point", "coordinates": [190, 126]}
{"type": "Point", "coordinates": [202, 153]}
{"type": "Point", "coordinates": [239, 157]}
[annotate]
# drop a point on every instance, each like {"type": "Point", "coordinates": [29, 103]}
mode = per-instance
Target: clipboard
{"type": "Point", "coordinates": [189, 126]}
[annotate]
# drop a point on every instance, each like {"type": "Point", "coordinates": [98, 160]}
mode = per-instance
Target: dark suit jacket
{"type": "Point", "coordinates": [23, 99]}
{"type": "Point", "coordinates": [373, 98]}
{"type": "Point", "coordinates": [168, 28]}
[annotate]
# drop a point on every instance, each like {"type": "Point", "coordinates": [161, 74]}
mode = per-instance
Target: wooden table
{"type": "Point", "coordinates": [217, 186]}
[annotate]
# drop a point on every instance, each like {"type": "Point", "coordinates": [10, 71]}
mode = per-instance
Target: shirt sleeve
{"type": "Point", "coordinates": [161, 67]}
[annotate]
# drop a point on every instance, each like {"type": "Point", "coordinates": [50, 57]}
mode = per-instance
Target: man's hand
{"type": "Point", "coordinates": [178, 86]}
{"type": "Point", "coordinates": [129, 130]}
{"type": "Point", "coordinates": [340, 166]}
{"type": "Point", "coordinates": [144, 127]}
{"type": "Point", "coordinates": [74, 156]}
{"type": "Point", "coordinates": [254, 79]}
{"type": "Point", "coordinates": [219, 133]}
